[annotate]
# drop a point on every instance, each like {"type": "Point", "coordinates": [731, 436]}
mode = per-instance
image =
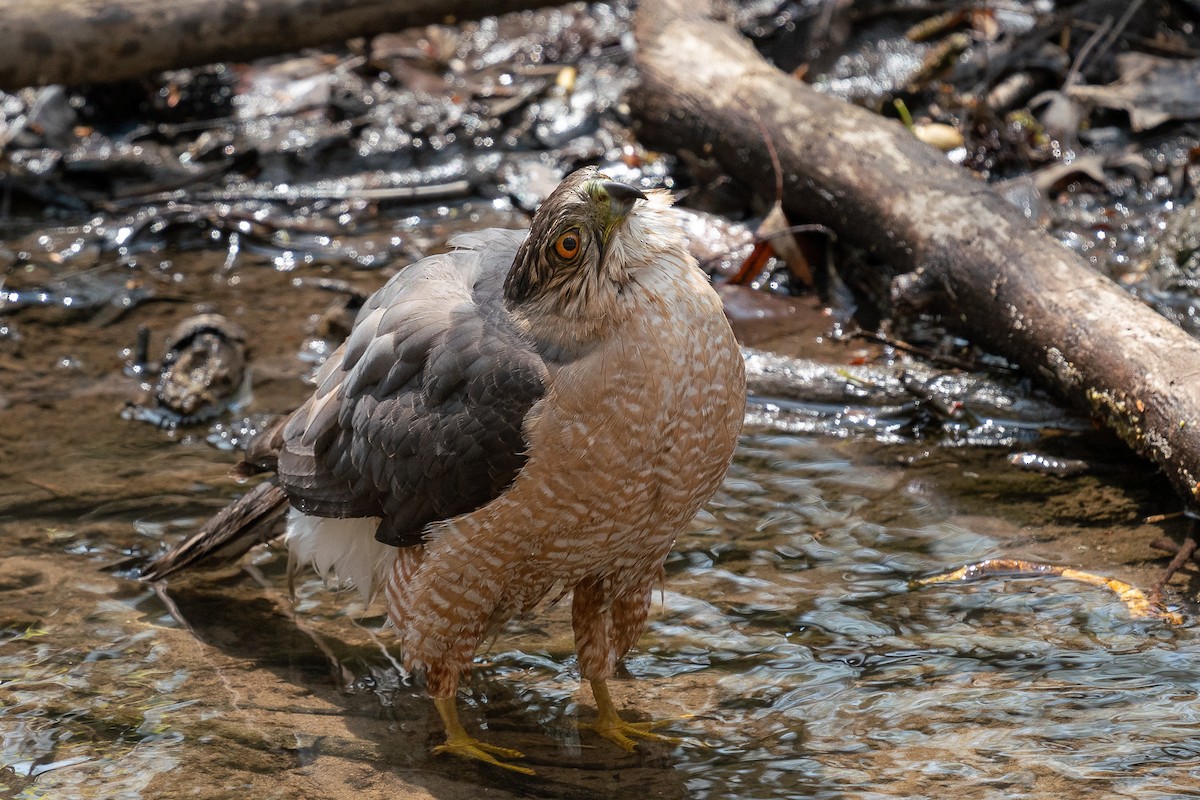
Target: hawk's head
{"type": "Point", "coordinates": [584, 246]}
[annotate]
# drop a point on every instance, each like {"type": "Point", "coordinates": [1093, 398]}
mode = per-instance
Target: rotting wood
{"type": "Point", "coordinates": [997, 276]}
{"type": "Point", "coordinates": [96, 41]}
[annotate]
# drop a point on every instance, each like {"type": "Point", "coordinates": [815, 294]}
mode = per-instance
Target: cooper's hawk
{"type": "Point", "coordinates": [527, 414]}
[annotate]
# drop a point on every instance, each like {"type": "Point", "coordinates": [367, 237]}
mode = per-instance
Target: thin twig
{"type": "Point", "coordinates": [921, 352]}
{"type": "Point", "coordinates": [1153, 518]}
{"type": "Point", "coordinates": [1119, 28]}
{"type": "Point", "coordinates": [775, 165]}
{"type": "Point", "coordinates": [1108, 34]}
{"type": "Point", "coordinates": [1085, 51]}
{"type": "Point", "coordinates": [1156, 46]}
{"type": "Point", "coordinates": [1172, 547]}
{"type": "Point", "coordinates": [1185, 552]}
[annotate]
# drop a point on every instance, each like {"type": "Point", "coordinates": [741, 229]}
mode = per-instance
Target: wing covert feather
{"type": "Point", "coordinates": [422, 418]}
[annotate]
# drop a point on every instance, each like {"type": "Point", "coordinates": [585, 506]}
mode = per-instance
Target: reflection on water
{"type": "Point", "coordinates": [88, 700]}
{"type": "Point", "coordinates": [787, 627]}
{"type": "Point", "coordinates": [832, 677]}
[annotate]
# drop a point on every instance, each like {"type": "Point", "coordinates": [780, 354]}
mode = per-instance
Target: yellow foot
{"type": "Point", "coordinates": [468, 747]}
{"type": "Point", "coordinates": [462, 744]}
{"type": "Point", "coordinates": [622, 733]}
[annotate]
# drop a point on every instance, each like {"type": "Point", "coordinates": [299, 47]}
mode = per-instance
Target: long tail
{"type": "Point", "coordinates": [230, 533]}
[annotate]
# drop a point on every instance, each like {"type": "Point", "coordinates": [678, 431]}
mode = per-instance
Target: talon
{"type": "Point", "coordinates": [462, 744]}
{"type": "Point", "coordinates": [619, 732]}
{"type": "Point", "coordinates": [468, 747]}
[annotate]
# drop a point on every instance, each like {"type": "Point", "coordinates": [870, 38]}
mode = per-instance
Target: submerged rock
{"type": "Point", "coordinates": [202, 374]}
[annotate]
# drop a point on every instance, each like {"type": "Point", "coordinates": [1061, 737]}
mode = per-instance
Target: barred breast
{"type": "Point", "coordinates": [629, 441]}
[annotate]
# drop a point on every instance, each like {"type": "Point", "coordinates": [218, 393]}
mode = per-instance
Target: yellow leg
{"type": "Point", "coordinates": [621, 733]}
{"type": "Point", "coordinates": [460, 743]}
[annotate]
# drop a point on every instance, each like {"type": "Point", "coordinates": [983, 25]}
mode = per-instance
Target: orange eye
{"type": "Point", "coordinates": [567, 245]}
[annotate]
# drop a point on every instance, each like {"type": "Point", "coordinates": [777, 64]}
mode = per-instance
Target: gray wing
{"type": "Point", "coordinates": [418, 417]}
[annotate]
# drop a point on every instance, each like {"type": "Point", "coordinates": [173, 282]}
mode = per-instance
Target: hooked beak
{"type": "Point", "coordinates": [620, 198]}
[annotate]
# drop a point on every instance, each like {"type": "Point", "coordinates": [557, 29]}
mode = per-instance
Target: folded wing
{"type": "Point", "coordinates": [418, 417]}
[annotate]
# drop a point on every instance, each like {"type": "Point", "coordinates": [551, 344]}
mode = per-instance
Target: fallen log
{"type": "Point", "coordinates": [997, 276]}
{"type": "Point", "coordinates": [78, 41]}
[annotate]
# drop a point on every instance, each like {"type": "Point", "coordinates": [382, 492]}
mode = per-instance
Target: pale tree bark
{"type": "Point", "coordinates": [95, 41]}
{"type": "Point", "coordinates": [997, 276]}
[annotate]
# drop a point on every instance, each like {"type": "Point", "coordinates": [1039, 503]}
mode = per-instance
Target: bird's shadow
{"type": "Point", "coordinates": [392, 721]}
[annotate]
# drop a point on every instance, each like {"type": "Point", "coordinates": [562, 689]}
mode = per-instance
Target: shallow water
{"type": "Point", "coordinates": [787, 642]}
{"type": "Point", "coordinates": [788, 645]}
{"type": "Point", "coordinates": [846, 681]}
